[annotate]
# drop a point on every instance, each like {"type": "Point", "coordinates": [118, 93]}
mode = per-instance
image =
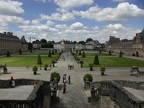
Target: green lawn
{"type": "Point", "coordinates": [114, 61]}
{"type": "Point", "coordinates": [23, 60]}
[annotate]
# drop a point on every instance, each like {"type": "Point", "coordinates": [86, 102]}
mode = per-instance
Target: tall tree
{"type": "Point", "coordinates": [96, 60]}
{"type": "Point", "coordinates": [49, 54]}
{"type": "Point", "coordinates": [43, 41]}
{"type": "Point", "coordinates": [89, 39]}
{"type": "Point", "coordinates": [39, 60]}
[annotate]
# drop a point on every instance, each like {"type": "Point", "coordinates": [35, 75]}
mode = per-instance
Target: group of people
{"type": "Point", "coordinates": [70, 67]}
{"type": "Point", "coordinates": [64, 82]}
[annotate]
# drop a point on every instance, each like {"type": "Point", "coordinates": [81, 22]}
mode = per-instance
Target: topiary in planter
{"type": "Point", "coordinates": [45, 66]}
{"type": "Point", "coordinates": [55, 75]}
{"type": "Point", "coordinates": [53, 62]}
{"type": "Point", "coordinates": [102, 69]}
{"type": "Point", "coordinates": [89, 77]}
{"type": "Point", "coordinates": [35, 68]}
{"type": "Point", "coordinates": [81, 62]}
{"type": "Point", "coordinates": [91, 66]}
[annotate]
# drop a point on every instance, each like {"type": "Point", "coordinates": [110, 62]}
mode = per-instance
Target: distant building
{"type": "Point", "coordinates": [9, 42]}
{"type": "Point", "coordinates": [24, 44]}
{"type": "Point", "coordinates": [37, 45]}
{"type": "Point", "coordinates": [133, 47]}
{"type": "Point", "coordinates": [71, 46]}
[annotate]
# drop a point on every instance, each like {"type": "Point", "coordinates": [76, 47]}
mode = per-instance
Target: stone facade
{"type": "Point", "coordinates": [68, 45]}
{"type": "Point", "coordinates": [24, 44]}
{"type": "Point", "coordinates": [133, 47]}
{"type": "Point", "coordinates": [9, 42]}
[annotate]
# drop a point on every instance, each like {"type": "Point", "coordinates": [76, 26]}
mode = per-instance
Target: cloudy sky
{"type": "Point", "coordinates": [74, 20]}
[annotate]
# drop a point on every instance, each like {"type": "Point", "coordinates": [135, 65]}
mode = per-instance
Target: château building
{"type": "Point", "coordinates": [11, 43]}
{"type": "Point", "coordinates": [133, 47]}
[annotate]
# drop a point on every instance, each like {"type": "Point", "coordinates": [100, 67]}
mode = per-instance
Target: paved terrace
{"type": "Point", "coordinates": [74, 96]}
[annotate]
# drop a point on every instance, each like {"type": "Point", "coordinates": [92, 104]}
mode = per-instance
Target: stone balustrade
{"type": "Point", "coordinates": [117, 93]}
{"type": "Point", "coordinates": [35, 100]}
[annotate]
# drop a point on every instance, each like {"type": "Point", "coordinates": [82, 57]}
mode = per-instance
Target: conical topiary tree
{"type": "Point", "coordinates": [49, 54]}
{"type": "Point", "coordinates": [79, 52]}
{"type": "Point", "coordinates": [53, 52]}
{"type": "Point", "coordinates": [109, 52]}
{"type": "Point", "coordinates": [83, 55]}
{"type": "Point", "coordinates": [120, 54]}
{"type": "Point", "coordinates": [39, 60]}
{"type": "Point", "coordinates": [96, 60]}
{"type": "Point", "coordinates": [20, 52]}
{"type": "Point", "coordinates": [100, 51]}
{"type": "Point", "coordinates": [8, 54]}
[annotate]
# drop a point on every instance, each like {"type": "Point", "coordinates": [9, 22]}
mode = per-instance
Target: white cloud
{"type": "Point", "coordinates": [69, 4]}
{"type": "Point", "coordinates": [35, 22]}
{"type": "Point", "coordinates": [77, 26]}
{"type": "Point", "coordinates": [50, 23]}
{"type": "Point", "coordinates": [118, 0]}
{"type": "Point", "coordinates": [13, 8]}
{"type": "Point", "coordinates": [58, 17]}
{"type": "Point", "coordinates": [38, 28]}
{"type": "Point", "coordinates": [121, 13]}
{"type": "Point", "coordinates": [62, 26]}
{"type": "Point", "coordinates": [13, 20]}
{"type": "Point", "coordinates": [114, 26]}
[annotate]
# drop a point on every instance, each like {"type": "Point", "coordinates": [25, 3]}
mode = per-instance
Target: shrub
{"type": "Point", "coordinates": [96, 60]}
{"type": "Point", "coordinates": [39, 60]}
{"type": "Point", "coordinates": [91, 65]}
{"type": "Point", "coordinates": [45, 65]}
{"type": "Point", "coordinates": [120, 54]}
{"type": "Point", "coordinates": [53, 52]}
{"type": "Point", "coordinates": [30, 51]}
{"type": "Point", "coordinates": [79, 52]}
{"type": "Point", "coordinates": [109, 52]}
{"type": "Point", "coordinates": [102, 68]}
{"type": "Point", "coordinates": [81, 62]}
{"type": "Point", "coordinates": [76, 51]}
{"type": "Point", "coordinates": [89, 76]}
{"type": "Point", "coordinates": [100, 51]}
{"type": "Point", "coordinates": [49, 54]}
{"type": "Point", "coordinates": [83, 55]}
{"type": "Point", "coordinates": [20, 52]}
{"type": "Point", "coordinates": [35, 68]}
{"type": "Point", "coordinates": [55, 75]}
{"type": "Point", "coordinates": [53, 62]}
{"type": "Point", "coordinates": [8, 54]}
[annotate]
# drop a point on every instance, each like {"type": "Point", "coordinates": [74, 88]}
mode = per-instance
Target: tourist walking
{"type": "Point", "coordinates": [12, 82]}
{"type": "Point", "coordinates": [69, 79]}
{"type": "Point", "coordinates": [27, 66]}
{"type": "Point", "coordinates": [64, 88]}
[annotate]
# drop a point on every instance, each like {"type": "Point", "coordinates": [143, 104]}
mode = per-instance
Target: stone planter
{"type": "Point", "coordinates": [102, 73]}
{"type": "Point", "coordinates": [91, 69]}
{"type": "Point", "coordinates": [45, 68]}
{"type": "Point", "coordinates": [34, 72]}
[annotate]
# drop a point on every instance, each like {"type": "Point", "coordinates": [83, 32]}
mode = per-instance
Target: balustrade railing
{"type": "Point", "coordinates": [117, 93]}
